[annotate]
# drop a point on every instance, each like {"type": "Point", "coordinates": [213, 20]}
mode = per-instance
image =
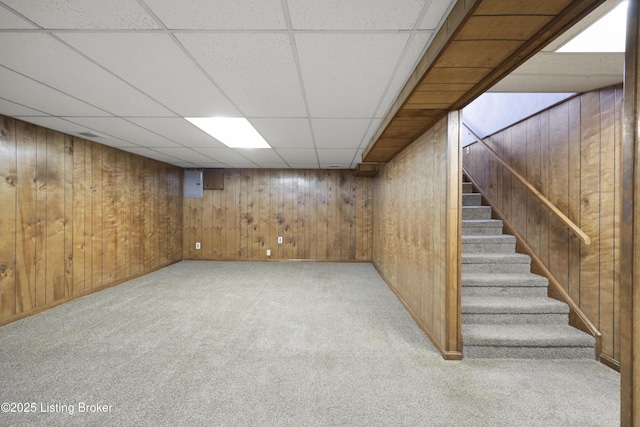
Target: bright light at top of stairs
{"type": "Point", "coordinates": [607, 34]}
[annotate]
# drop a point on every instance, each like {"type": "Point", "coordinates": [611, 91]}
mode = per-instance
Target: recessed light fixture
{"type": "Point", "coordinates": [234, 132]}
{"type": "Point", "coordinates": [607, 34]}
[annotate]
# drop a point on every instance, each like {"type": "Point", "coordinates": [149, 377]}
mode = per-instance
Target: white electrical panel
{"type": "Point", "coordinates": [193, 185]}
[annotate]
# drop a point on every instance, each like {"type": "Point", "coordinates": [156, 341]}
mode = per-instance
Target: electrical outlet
{"type": "Point", "coordinates": [268, 252]}
{"type": "Point", "coordinates": [197, 245]}
{"type": "Point", "coordinates": [279, 240]}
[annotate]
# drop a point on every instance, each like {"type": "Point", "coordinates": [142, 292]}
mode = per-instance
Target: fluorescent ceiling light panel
{"type": "Point", "coordinates": [608, 34]}
{"type": "Point", "coordinates": [234, 132]}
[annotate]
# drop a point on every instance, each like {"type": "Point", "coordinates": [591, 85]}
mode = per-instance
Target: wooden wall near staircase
{"type": "Point", "coordinates": [77, 216]}
{"type": "Point", "coordinates": [416, 238]}
{"type": "Point", "coordinates": [320, 214]}
{"type": "Point", "coordinates": [571, 154]}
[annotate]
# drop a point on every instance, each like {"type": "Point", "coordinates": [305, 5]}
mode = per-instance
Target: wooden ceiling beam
{"type": "Point", "coordinates": [480, 42]}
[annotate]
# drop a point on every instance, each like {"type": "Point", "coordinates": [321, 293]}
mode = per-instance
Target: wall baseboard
{"type": "Point", "coordinates": [56, 303]}
{"type": "Point", "coordinates": [447, 355]}
{"type": "Point", "coordinates": [357, 261]}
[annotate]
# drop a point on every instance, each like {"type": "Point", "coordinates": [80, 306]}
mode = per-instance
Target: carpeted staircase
{"type": "Point", "coordinates": [505, 309]}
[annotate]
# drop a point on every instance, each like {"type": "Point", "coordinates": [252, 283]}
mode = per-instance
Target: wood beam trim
{"type": "Point", "coordinates": [460, 12]}
{"type": "Point", "coordinates": [576, 11]}
{"type": "Point", "coordinates": [454, 25]}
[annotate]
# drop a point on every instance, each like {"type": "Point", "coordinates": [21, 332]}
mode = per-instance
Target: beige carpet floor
{"type": "Point", "coordinates": [272, 344]}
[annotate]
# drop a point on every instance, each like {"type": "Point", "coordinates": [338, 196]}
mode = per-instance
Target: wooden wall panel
{"type": "Point", "coordinates": [571, 153]}
{"type": "Point", "coordinates": [73, 219]}
{"type": "Point", "coordinates": [416, 231]}
{"type": "Point", "coordinates": [68, 216]}
{"type": "Point", "coordinates": [27, 217]}
{"type": "Point", "coordinates": [79, 195]}
{"type": "Point", "coordinates": [320, 215]}
{"type": "Point", "coordinates": [8, 225]}
{"type": "Point", "coordinates": [97, 266]}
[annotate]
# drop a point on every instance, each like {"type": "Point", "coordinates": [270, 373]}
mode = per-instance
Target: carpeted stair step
{"type": "Point", "coordinates": [501, 243]}
{"type": "Point", "coordinates": [481, 227]}
{"type": "Point", "coordinates": [471, 199]}
{"type": "Point", "coordinates": [495, 263]}
{"type": "Point", "coordinates": [526, 342]}
{"type": "Point", "coordinates": [467, 187]}
{"type": "Point", "coordinates": [498, 310]}
{"type": "Point", "coordinates": [476, 212]}
{"type": "Point", "coordinates": [504, 284]}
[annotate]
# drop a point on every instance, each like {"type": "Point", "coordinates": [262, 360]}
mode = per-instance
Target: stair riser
{"type": "Point", "coordinates": [481, 212]}
{"type": "Point", "coordinates": [505, 291]}
{"type": "Point", "coordinates": [496, 268]}
{"type": "Point", "coordinates": [488, 247]}
{"type": "Point", "coordinates": [471, 199]}
{"type": "Point", "coordinates": [481, 230]}
{"type": "Point", "coordinates": [467, 187]}
{"type": "Point", "coordinates": [515, 319]}
{"type": "Point", "coordinates": [492, 352]}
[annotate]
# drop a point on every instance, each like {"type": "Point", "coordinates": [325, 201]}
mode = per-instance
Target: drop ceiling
{"type": "Point", "coordinates": [315, 78]}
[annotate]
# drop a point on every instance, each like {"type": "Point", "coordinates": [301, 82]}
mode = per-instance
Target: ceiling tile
{"type": "Point", "coordinates": [339, 133]}
{"type": "Point", "coordinates": [12, 109]}
{"type": "Point", "coordinates": [178, 130]}
{"type": "Point", "coordinates": [182, 153]}
{"type": "Point", "coordinates": [31, 94]}
{"type": "Point", "coordinates": [417, 45]}
{"type": "Point", "coordinates": [220, 14]}
{"type": "Point", "coordinates": [44, 59]}
{"type": "Point", "coordinates": [151, 154]}
{"type": "Point", "coordinates": [242, 165]}
{"type": "Point", "coordinates": [73, 129]}
{"type": "Point", "coordinates": [112, 142]}
{"type": "Point", "coordinates": [156, 65]}
{"type": "Point", "coordinates": [335, 156]}
{"type": "Point", "coordinates": [122, 129]}
{"type": "Point", "coordinates": [222, 155]}
{"type": "Point", "coordinates": [261, 155]}
{"type": "Point", "coordinates": [274, 166]}
{"type": "Point", "coordinates": [285, 133]}
{"type": "Point", "coordinates": [208, 164]}
{"type": "Point", "coordinates": [257, 71]}
{"type": "Point", "coordinates": [437, 11]}
{"type": "Point", "coordinates": [11, 21]}
{"type": "Point", "coordinates": [295, 155]}
{"type": "Point", "coordinates": [56, 123]}
{"type": "Point", "coordinates": [303, 165]}
{"type": "Point", "coordinates": [354, 14]}
{"type": "Point", "coordinates": [345, 74]}
{"type": "Point", "coordinates": [80, 14]}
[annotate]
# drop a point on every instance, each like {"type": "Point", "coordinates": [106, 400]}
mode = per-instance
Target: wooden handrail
{"type": "Point", "coordinates": [570, 224]}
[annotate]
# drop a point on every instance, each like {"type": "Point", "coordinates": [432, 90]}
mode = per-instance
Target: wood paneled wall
{"type": "Point", "coordinates": [77, 216]}
{"type": "Point", "coordinates": [416, 238]}
{"type": "Point", "coordinates": [571, 154]}
{"type": "Point", "coordinates": [320, 214]}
